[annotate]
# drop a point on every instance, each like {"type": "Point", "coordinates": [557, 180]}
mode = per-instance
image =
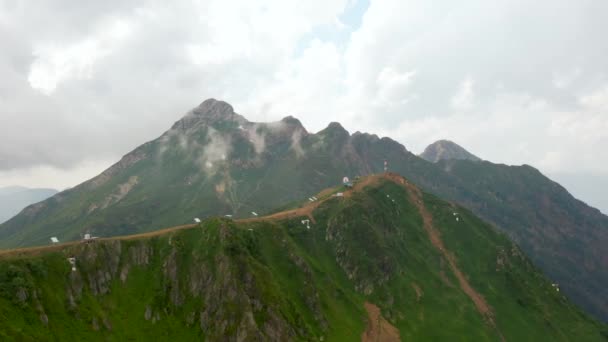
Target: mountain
{"type": "Point", "coordinates": [13, 199]}
{"type": "Point", "coordinates": [384, 262]}
{"type": "Point", "coordinates": [562, 235]}
{"type": "Point", "coordinates": [215, 162]}
{"type": "Point", "coordinates": [445, 150]}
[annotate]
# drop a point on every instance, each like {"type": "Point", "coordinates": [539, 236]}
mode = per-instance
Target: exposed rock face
{"type": "Point", "coordinates": [209, 112]}
{"type": "Point", "coordinates": [275, 279]}
{"type": "Point", "coordinates": [444, 150]}
{"type": "Point", "coordinates": [216, 157]}
{"type": "Point", "coordinates": [229, 291]}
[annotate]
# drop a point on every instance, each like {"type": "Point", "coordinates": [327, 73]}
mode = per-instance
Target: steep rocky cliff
{"type": "Point", "coordinates": [383, 261]}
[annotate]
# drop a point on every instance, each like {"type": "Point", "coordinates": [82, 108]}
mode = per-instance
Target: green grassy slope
{"type": "Point", "coordinates": [214, 162]}
{"type": "Point", "coordinates": [278, 280]}
{"type": "Point", "coordinates": [562, 235]}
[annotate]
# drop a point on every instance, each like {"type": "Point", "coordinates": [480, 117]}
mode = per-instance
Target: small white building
{"type": "Point", "coordinates": [340, 194]}
{"type": "Point", "coordinates": [89, 238]}
{"type": "Point", "coordinates": [197, 220]}
{"type": "Point", "coordinates": [54, 240]}
{"type": "Point", "coordinates": [254, 213]}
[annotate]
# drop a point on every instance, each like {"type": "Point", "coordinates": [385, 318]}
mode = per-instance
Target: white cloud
{"type": "Point", "coordinates": [393, 87]}
{"type": "Point", "coordinates": [45, 176]}
{"type": "Point", "coordinates": [596, 100]}
{"type": "Point", "coordinates": [513, 81]}
{"type": "Point", "coordinates": [55, 64]}
{"type": "Point", "coordinates": [464, 97]}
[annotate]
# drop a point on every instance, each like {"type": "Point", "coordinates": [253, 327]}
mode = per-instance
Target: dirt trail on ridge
{"type": "Point", "coordinates": [435, 236]}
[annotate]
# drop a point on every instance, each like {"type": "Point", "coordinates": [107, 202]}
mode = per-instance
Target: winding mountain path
{"type": "Point", "coordinates": [485, 310]}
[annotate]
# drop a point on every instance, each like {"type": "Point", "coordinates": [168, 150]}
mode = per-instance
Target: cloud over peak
{"type": "Point", "coordinates": [88, 81]}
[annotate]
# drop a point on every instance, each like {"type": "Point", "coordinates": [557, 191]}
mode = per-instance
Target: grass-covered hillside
{"type": "Point", "coordinates": [384, 262]}
{"type": "Point", "coordinates": [214, 162]}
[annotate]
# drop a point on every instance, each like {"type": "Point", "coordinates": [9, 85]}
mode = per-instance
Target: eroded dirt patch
{"type": "Point", "coordinates": [435, 236]}
{"type": "Point", "coordinates": [378, 329]}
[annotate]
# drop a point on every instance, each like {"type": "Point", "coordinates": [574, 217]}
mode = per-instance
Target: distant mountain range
{"type": "Point", "coordinates": [384, 262]}
{"type": "Point", "coordinates": [215, 162]}
{"type": "Point", "coordinates": [13, 199]}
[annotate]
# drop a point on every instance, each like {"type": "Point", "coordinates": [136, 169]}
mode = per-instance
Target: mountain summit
{"type": "Point", "coordinates": [444, 150]}
{"type": "Point", "coordinates": [214, 162]}
{"type": "Point", "coordinates": [210, 111]}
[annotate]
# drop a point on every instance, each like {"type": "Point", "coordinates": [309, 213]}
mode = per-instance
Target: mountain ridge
{"type": "Point", "coordinates": [281, 280]}
{"type": "Point", "coordinates": [230, 166]}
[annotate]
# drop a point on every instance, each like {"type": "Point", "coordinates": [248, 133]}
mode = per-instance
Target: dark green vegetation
{"type": "Point", "coordinates": [277, 280]}
{"type": "Point", "coordinates": [215, 162]}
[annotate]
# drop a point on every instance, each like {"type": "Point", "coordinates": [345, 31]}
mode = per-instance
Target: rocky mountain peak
{"type": "Point", "coordinates": [335, 128]}
{"type": "Point", "coordinates": [295, 123]}
{"type": "Point", "coordinates": [292, 121]}
{"type": "Point", "coordinates": [446, 149]}
{"type": "Point", "coordinates": [210, 111]}
{"type": "Point", "coordinates": [213, 108]}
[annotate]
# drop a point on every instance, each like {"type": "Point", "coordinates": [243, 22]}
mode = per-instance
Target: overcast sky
{"type": "Point", "coordinates": [84, 82]}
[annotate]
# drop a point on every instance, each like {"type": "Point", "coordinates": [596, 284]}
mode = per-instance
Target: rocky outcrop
{"type": "Point", "coordinates": [210, 112]}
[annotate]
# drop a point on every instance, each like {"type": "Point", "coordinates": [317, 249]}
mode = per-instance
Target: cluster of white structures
{"type": "Point", "coordinates": [456, 216]}
{"type": "Point", "coordinates": [556, 287]}
{"type": "Point", "coordinates": [312, 199]}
